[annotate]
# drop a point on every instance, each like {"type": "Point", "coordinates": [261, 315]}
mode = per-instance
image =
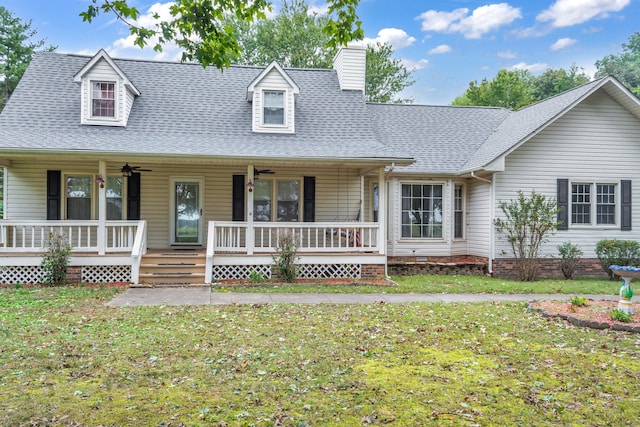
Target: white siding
{"type": "Point", "coordinates": [598, 141]}
{"type": "Point", "coordinates": [350, 65]}
{"type": "Point", "coordinates": [478, 218]}
{"type": "Point", "coordinates": [274, 81]}
{"type": "Point", "coordinates": [103, 72]}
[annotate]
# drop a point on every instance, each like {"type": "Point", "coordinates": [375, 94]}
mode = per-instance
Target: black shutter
{"type": "Point", "coordinates": [563, 204]}
{"type": "Point", "coordinates": [133, 196]}
{"type": "Point", "coordinates": [238, 198]}
{"type": "Point", "coordinates": [625, 212]}
{"type": "Point", "coordinates": [309, 207]}
{"type": "Point", "coordinates": [54, 194]}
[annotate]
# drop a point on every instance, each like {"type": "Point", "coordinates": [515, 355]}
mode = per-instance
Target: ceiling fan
{"type": "Point", "coordinates": [127, 170]}
{"type": "Point", "coordinates": [257, 172]}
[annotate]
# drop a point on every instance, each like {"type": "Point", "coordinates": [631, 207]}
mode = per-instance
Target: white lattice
{"type": "Point", "coordinates": [330, 271]}
{"type": "Point", "coordinates": [24, 275]}
{"type": "Point", "coordinates": [106, 273]}
{"type": "Point", "coordinates": [239, 272]}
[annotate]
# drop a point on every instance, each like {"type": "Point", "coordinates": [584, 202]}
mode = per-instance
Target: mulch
{"type": "Point", "coordinates": [596, 315]}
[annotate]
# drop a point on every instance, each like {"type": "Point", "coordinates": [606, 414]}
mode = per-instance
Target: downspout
{"type": "Point", "coordinates": [491, 215]}
{"type": "Point", "coordinates": [387, 215]}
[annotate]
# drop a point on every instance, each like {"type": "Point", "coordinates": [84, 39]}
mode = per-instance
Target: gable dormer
{"type": "Point", "coordinates": [273, 94]}
{"type": "Point", "coordinates": [107, 94]}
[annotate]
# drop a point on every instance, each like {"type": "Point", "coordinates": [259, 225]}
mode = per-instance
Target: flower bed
{"type": "Point", "coordinates": [595, 315]}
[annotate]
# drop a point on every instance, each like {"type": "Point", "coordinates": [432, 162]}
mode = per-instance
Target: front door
{"type": "Point", "coordinates": [186, 210]}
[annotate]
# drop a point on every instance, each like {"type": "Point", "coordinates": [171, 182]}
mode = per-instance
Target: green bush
{"type": "Point", "coordinates": [579, 301]}
{"type": "Point", "coordinates": [617, 252]}
{"type": "Point", "coordinates": [56, 259]}
{"type": "Point", "coordinates": [286, 257]}
{"type": "Point", "coordinates": [620, 316]}
{"type": "Point", "coordinates": [569, 259]}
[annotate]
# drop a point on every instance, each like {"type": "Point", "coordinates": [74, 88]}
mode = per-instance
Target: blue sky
{"type": "Point", "coordinates": [447, 43]}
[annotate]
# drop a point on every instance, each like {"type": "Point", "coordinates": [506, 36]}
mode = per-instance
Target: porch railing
{"type": "Point", "coordinates": [309, 237]}
{"type": "Point", "coordinates": [31, 236]}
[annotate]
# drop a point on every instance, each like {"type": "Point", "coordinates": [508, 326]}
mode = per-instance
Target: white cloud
{"type": "Point", "coordinates": [565, 13]}
{"type": "Point", "coordinates": [481, 21]}
{"type": "Point", "coordinates": [507, 55]}
{"type": "Point", "coordinates": [562, 43]}
{"type": "Point", "coordinates": [412, 65]}
{"type": "Point", "coordinates": [538, 67]}
{"type": "Point", "coordinates": [318, 10]}
{"type": "Point", "coordinates": [443, 48]}
{"type": "Point", "coordinates": [394, 36]}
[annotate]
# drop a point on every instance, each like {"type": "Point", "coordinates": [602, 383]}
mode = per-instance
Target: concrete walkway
{"type": "Point", "coordinates": [204, 296]}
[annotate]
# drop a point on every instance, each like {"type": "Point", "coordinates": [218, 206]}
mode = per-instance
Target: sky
{"type": "Point", "coordinates": [447, 44]}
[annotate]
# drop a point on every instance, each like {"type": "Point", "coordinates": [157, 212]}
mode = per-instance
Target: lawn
{"type": "Point", "coordinates": [66, 359]}
{"type": "Point", "coordinates": [438, 285]}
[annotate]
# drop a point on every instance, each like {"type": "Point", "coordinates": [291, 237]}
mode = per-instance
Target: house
{"type": "Point", "coordinates": [163, 172]}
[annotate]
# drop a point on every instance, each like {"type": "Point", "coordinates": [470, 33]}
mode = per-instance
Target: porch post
{"type": "Point", "coordinates": [382, 212]}
{"type": "Point", "coordinates": [250, 238]}
{"type": "Point", "coordinates": [102, 208]}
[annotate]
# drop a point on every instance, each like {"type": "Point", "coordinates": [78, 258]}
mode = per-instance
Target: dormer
{"type": "Point", "coordinates": [273, 94]}
{"type": "Point", "coordinates": [107, 94]}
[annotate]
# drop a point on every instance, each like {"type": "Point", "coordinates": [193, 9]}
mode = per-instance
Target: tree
{"type": "Point", "coordinates": [527, 223]}
{"type": "Point", "coordinates": [553, 82]}
{"type": "Point", "coordinates": [295, 38]}
{"type": "Point", "coordinates": [625, 66]}
{"type": "Point", "coordinates": [385, 76]}
{"type": "Point", "coordinates": [200, 27]}
{"type": "Point", "coordinates": [508, 89]}
{"type": "Point", "coordinates": [16, 49]}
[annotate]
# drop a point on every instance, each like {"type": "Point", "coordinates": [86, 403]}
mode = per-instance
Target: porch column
{"type": "Point", "coordinates": [382, 212]}
{"type": "Point", "coordinates": [102, 208]}
{"type": "Point", "coordinates": [250, 238]}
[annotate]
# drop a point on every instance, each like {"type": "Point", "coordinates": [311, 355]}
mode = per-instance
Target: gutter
{"type": "Point", "coordinates": [491, 215]}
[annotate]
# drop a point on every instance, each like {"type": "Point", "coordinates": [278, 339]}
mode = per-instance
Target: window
{"type": "Point", "coordinates": [287, 197]}
{"type": "Point", "coordinates": [114, 198]}
{"type": "Point", "coordinates": [103, 99]}
{"type": "Point", "coordinates": [584, 205]}
{"type": "Point", "coordinates": [273, 111]}
{"type": "Point", "coordinates": [375, 201]}
{"type": "Point", "coordinates": [421, 210]}
{"type": "Point", "coordinates": [78, 201]}
{"type": "Point", "coordinates": [458, 211]}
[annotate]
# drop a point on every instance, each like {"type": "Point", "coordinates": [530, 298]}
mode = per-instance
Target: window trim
{"type": "Point", "coordinates": [285, 97]}
{"type": "Point", "coordinates": [593, 204]}
{"type": "Point", "coordinates": [65, 195]}
{"type": "Point", "coordinates": [274, 198]}
{"type": "Point", "coordinates": [116, 111]}
{"type": "Point", "coordinates": [464, 211]}
{"type": "Point", "coordinates": [444, 216]}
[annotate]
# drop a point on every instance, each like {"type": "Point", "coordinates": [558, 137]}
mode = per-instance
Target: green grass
{"type": "Point", "coordinates": [440, 284]}
{"type": "Point", "coordinates": [68, 360]}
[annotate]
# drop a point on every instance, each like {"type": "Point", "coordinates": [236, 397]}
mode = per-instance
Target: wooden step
{"type": "Point", "coordinates": [172, 267]}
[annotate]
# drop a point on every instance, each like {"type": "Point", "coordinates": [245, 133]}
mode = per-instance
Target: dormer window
{"type": "Point", "coordinates": [273, 112]}
{"type": "Point", "coordinates": [103, 99]}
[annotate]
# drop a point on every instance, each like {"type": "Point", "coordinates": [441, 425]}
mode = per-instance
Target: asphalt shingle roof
{"type": "Point", "coordinates": [185, 109]}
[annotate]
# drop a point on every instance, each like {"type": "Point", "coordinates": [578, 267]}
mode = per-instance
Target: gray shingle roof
{"type": "Point", "coordinates": [185, 109]}
{"type": "Point", "coordinates": [440, 138]}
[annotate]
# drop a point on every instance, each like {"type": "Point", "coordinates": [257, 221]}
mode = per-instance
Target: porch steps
{"type": "Point", "coordinates": [172, 268]}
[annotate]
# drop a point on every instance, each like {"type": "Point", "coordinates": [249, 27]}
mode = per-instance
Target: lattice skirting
{"type": "Point", "coordinates": [305, 271]}
{"type": "Point", "coordinates": [90, 274]}
{"type": "Point", "coordinates": [106, 273]}
{"type": "Point", "coordinates": [240, 272]}
{"type": "Point", "coordinates": [21, 275]}
{"type": "Point", "coordinates": [330, 271]}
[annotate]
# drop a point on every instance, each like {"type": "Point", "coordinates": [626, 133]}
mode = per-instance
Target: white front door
{"type": "Point", "coordinates": [186, 210]}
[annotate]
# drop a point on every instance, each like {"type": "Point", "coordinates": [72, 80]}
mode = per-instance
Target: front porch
{"type": "Point", "coordinates": [116, 251]}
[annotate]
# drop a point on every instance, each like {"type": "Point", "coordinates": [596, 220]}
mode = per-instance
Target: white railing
{"type": "Point", "coordinates": [31, 236]}
{"type": "Point", "coordinates": [139, 249]}
{"type": "Point", "coordinates": [309, 237]}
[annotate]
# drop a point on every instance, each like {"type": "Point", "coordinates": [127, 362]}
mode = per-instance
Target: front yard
{"type": "Point", "coordinates": [66, 359]}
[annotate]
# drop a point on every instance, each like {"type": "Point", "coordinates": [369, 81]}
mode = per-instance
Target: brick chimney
{"type": "Point", "coordinates": [350, 63]}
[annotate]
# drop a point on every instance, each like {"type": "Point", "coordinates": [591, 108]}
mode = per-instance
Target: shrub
{"type": "Point", "coordinates": [285, 258]}
{"type": "Point", "coordinates": [617, 252]}
{"type": "Point", "coordinates": [527, 223]}
{"type": "Point", "coordinates": [56, 259]}
{"type": "Point", "coordinates": [620, 316]}
{"type": "Point", "coordinates": [256, 277]}
{"type": "Point", "coordinates": [579, 301]}
{"type": "Point", "coordinates": [569, 259]}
